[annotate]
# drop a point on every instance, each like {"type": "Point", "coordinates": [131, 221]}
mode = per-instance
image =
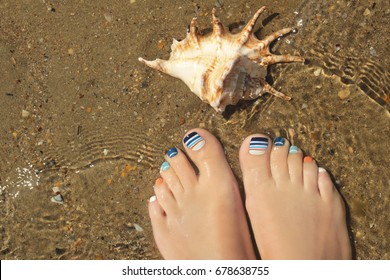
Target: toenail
{"type": "Point", "coordinates": [172, 152]}
{"type": "Point", "coordinates": [152, 198]}
{"type": "Point", "coordinates": [293, 150]}
{"type": "Point", "coordinates": [279, 141]}
{"type": "Point", "coordinates": [321, 169]}
{"type": "Point", "coordinates": [258, 145]}
{"type": "Point", "coordinates": [307, 159]}
{"type": "Point", "coordinates": [194, 141]}
{"type": "Point", "coordinates": [159, 181]}
{"type": "Point", "coordinates": [165, 166]}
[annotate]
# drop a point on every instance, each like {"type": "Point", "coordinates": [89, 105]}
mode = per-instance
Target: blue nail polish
{"type": "Point", "coordinates": [279, 141]}
{"type": "Point", "coordinates": [258, 145]}
{"type": "Point", "coordinates": [293, 150]}
{"type": "Point", "coordinates": [194, 141]}
{"type": "Point", "coordinates": [172, 152]}
{"type": "Point", "coordinates": [165, 166]}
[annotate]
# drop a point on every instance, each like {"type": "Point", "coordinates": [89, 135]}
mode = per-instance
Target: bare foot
{"type": "Point", "coordinates": [199, 216]}
{"type": "Point", "coordinates": [294, 208]}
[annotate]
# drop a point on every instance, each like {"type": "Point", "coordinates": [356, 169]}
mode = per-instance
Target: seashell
{"type": "Point", "coordinates": [223, 68]}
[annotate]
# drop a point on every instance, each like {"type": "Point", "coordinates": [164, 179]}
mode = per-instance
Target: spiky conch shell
{"type": "Point", "coordinates": [222, 68]}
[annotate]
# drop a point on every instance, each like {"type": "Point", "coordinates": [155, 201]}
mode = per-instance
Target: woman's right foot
{"type": "Point", "coordinates": [294, 208]}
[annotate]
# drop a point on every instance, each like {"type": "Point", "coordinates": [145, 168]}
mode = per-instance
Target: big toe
{"type": "Point", "coordinates": [207, 154]}
{"type": "Point", "coordinates": [255, 159]}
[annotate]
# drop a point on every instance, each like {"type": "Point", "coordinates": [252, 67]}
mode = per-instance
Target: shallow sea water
{"type": "Point", "coordinates": [96, 122]}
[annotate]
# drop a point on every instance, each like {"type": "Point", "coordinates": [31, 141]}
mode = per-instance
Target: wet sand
{"type": "Point", "coordinates": [80, 114]}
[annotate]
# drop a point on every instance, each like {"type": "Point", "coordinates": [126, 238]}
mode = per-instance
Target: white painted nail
{"type": "Point", "coordinates": [321, 169]}
{"type": "Point", "coordinates": [152, 198]}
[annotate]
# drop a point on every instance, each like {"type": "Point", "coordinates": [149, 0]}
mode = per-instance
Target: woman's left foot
{"type": "Point", "coordinates": [294, 209]}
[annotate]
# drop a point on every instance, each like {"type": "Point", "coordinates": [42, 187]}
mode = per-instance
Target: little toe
{"type": "Point", "coordinates": [310, 174]}
{"type": "Point", "coordinates": [171, 179]}
{"type": "Point", "coordinates": [325, 184]}
{"type": "Point", "coordinates": [278, 159]}
{"type": "Point", "coordinates": [179, 162]}
{"type": "Point", "coordinates": [207, 153]}
{"type": "Point", "coordinates": [159, 222]}
{"type": "Point", "coordinates": [295, 165]}
{"type": "Point", "coordinates": [165, 197]}
{"type": "Point", "coordinates": [156, 212]}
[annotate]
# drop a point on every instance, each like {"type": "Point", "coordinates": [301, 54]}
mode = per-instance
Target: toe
{"type": "Point", "coordinates": [310, 174]}
{"type": "Point", "coordinates": [181, 166]}
{"type": "Point", "coordinates": [206, 152]}
{"type": "Point", "coordinates": [278, 159]}
{"type": "Point", "coordinates": [171, 179]}
{"type": "Point", "coordinates": [165, 197]}
{"type": "Point", "coordinates": [325, 184]}
{"type": "Point", "coordinates": [156, 212]}
{"type": "Point", "coordinates": [159, 222]}
{"type": "Point", "coordinates": [255, 160]}
{"type": "Point", "coordinates": [295, 165]}
{"type": "Point", "coordinates": [157, 215]}
{"type": "Point", "coordinates": [255, 154]}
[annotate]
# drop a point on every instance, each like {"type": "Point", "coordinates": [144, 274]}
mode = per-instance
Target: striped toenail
{"type": "Point", "coordinates": [165, 166]}
{"type": "Point", "coordinates": [293, 150]}
{"type": "Point", "coordinates": [172, 152]}
{"type": "Point", "coordinates": [258, 145]}
{"type": "Point", "coordinates": [194, 141]}
{"type": "Point", "coordinates": [279, 141]}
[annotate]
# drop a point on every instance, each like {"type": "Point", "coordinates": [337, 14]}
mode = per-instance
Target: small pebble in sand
{"type": "Point", "coordinates": [317, 72]}
{"type": "Point", "coordinates": [130, 167]}
{"type": "Point", "coordinates": [134, 226]}
{"type": "Point", "coordinates": [109, 17]}
{"type": "Point", "coordinates": [25, 114]}
{"type": "Point", "coordinates": [105, 152]}
{"type": "Point", "coordinates": [344, 94]}
{"type": "Point", "coordinates": [160, 44]}
{"type": "Point", "coordinates": [337, 47]}
{"type": "Point", "coordinates": [71, 51]}
{"type": "Point", "coordinates": [56, 190]}
{"type": "Point", "coordinates": [373, 52]}
{"type": "Point", "coordinates": [138, 227]}
{"type": "Point", "coordinates": [58, 199]}
{"type": "Point", "coordinates": [366, 12]}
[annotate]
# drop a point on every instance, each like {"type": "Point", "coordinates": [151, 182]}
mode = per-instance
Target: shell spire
{"type": "Point", "coordinates": [218, 29]}
{"type": "Point", "coordinates": [224, 68]}
{"type": "Point", "coordinates": [247, 31]}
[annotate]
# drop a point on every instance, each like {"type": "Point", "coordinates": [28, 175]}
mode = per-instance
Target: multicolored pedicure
{"type": "Point", "coordinates": [194, 141]}
{"type": "Point", "coordinates": [293, 150]}
{"type": "Point", "coordinates": [172, 152]}
{"type": "Point", "coordinates": [279, 141]}
{"type": "Point", "coordinates": [258, 145]}
{"type": "Point", "coordinates": [165, 166]}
